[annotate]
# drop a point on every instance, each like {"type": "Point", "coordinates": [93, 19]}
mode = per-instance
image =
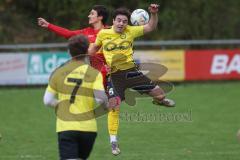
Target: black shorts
{"type": "Point", "coordinates": [75, 144]}
{"type": "Point", "coordinates": [130, 78]}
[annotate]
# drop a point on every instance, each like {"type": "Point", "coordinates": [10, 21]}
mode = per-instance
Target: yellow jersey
{"type": "Point", "coordinates": [74, 83]}
{"type": "Point", "coordinates": [118, 48]}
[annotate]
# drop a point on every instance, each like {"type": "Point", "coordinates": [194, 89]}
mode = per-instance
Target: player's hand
{"type": "Point", "coordinates": [153, 8]}
{"type": "Point", "coordinates": [42, 22]}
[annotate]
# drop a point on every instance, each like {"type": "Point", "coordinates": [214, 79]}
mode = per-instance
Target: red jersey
{"type": "Point", "coordinates": [88, 32]}
{"type": "Point", "coordinates": [97, 60]}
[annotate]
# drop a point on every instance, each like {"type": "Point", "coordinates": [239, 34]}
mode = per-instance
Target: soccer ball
{"type": "Point", "coordinates": [139, 17]}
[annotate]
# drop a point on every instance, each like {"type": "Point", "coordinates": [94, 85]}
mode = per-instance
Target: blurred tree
{"type": "Point", "coordinates": [199, 19]}
{"type": "Point", "coordinates": [186, 19]}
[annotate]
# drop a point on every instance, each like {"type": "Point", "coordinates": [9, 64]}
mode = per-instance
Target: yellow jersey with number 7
{"type": "Point", "coordinates": [74, 83]}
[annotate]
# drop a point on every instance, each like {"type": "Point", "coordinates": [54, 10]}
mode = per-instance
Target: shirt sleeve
{"type": "Point", "coordinates": [98, 83]}
{"type": "Point", "coordinates": [51, 89]}
{"type": "Point", "coordinates": [137, 31]}
{"type": "Point", "coordinates": [50, 93]}
{"type": "Point", "coordinates": [99, 92]}
{"type": "Point", "coordinates": [52, 84]}
{"type": "Point", "coordinates": [63, 32]}
{"type": "Point", "coordinates": [49, 99]}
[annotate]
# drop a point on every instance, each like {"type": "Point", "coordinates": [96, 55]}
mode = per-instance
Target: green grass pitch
{"type": "Point", "coordinates": [203, 125]}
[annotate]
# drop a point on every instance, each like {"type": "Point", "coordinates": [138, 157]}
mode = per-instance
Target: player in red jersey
{"type": "Point", "coordinates": [97, 19]}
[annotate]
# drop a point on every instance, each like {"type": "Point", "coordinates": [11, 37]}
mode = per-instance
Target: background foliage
{"type": "Point", "coordinates": [185, 19]}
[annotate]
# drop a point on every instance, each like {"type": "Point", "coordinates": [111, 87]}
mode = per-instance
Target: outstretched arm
{"type": "Point", "coordinates": [63, 32]}
{"type": "Point", "coordinates": [152, 24]}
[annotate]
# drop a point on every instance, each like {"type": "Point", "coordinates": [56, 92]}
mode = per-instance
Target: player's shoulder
{"type": "Point", "coordinates": [87, 30]}
{"type": "Point", "coordinates": [90, 74]}
{"type": "Point", "coordinates": [91, 71]}
{"type": "Point", "coordinates": [107, 27]}
{"type": "Point", "coordinates": [59, 71]}
{"type": "Point", "coordinates": [133, 27]}
{"type": "Point", "coordinates": [106, 30]}
{"type": "Point", "coordinates": [133, 30]}
{"type": "Point", "coordinates": [67, 67]}
{"type": "Point", "coordinates": [82, 68]}
{"type": "Point", "coordinates": [57, 76]}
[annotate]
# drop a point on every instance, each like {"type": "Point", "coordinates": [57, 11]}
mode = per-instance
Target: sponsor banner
{"type": "Point", "coordinates": [173, 60]}
{"type": "Point", "coordinates": [13, 68]}
{"type": "Point", "coordinates": [36, 67]}
{"type": "Point", "coordinates": [212, 64]}
{"type": "Point", "coordinates": [42, 64]}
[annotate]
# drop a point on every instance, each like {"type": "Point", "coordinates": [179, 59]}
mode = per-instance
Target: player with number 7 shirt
{"type": "Point", "coordinates": [97, 19]}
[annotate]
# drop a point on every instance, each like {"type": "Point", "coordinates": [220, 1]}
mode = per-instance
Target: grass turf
{"type": "Point", "coordinates": [202, 126]}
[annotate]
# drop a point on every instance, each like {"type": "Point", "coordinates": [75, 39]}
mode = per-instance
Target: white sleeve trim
{"type": "Point", "coordinates": [49, 99]}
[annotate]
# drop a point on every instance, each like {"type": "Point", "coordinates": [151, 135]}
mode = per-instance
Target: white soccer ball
{"type": "Point", "coordinates": [139, 17]}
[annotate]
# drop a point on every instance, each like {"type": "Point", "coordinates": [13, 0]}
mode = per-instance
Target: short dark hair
{"type": "Point", "coordinates": [101, 11]}
{"type": "Point", "coordinates": [78, 45]}
{"type": "Point", "coordinates": [122, 11]}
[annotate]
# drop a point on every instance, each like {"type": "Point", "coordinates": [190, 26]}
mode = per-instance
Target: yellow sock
{"type": "Point", "coordinates": [113, 122]}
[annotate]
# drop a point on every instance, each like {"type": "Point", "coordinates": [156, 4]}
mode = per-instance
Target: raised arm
{"type": "Point", "coordinates": [63, 32]}
{"type": "Point", "coordinates": [152, 24]}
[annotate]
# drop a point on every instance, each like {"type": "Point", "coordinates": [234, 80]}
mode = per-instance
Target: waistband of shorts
{"type": "Point", "coordinates": [126, 70]}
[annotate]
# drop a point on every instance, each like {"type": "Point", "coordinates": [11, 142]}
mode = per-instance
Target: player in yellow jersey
{"type": "Point", "coordinates": [97, 19]}
{"type": "Point", "coordinates": [117, 44]}
{"type": "Point", "coordinates": [73, 90]}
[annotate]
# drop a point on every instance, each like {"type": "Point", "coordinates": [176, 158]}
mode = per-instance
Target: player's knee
{"type": "Point", "coordinates": [115, 110]}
